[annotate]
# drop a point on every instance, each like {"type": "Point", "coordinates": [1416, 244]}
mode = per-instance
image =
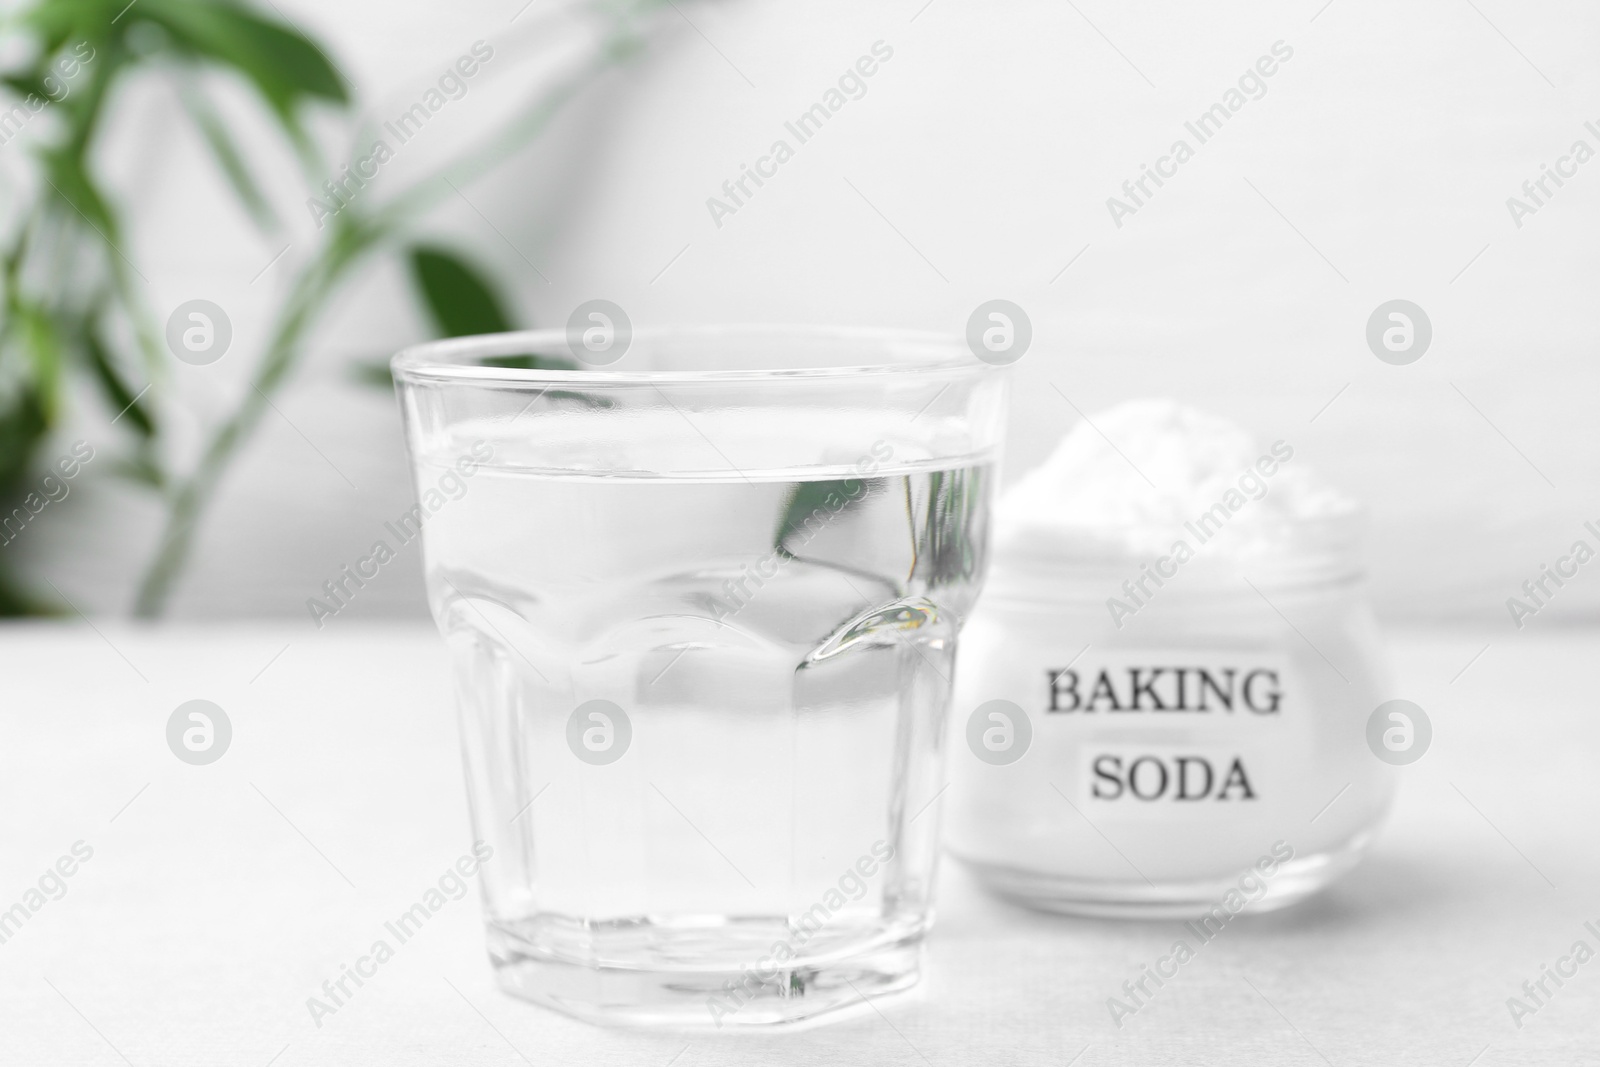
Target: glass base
{"type": "Point", "coordinates": [693, 996]}
{"type": "Point", "coordinates": [1101, 898]}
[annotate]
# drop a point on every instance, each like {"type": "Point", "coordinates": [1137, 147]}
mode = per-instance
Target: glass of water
{"type": "Point", "coordinates": [701, 589]}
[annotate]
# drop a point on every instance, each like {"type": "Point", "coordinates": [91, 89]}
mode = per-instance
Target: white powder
{"type": "Point", "coordinates": [1093, 490]}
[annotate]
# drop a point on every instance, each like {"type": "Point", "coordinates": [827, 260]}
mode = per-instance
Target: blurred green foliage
{"type": "Point", "coordinates": [72, 298]}
{"type": "Point", "coordinates": [74, 304]}
{"type": "Point", "coordinates": [461, 301]}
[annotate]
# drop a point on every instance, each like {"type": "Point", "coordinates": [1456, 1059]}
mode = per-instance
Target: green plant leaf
{"type": "Point", "coordinates": [373, 372]}
{"type": "Point", "coordinates": [25, 84]}
{"type": "Point", "coordinates": [285, 66]}
{"type": "Point", "coordinates": [530, 361]}
{"type": "Point", "coordinates": [806, 499]}
{"type": "Point", "coordinates": [458, 296]}
{"type": "Point", "coordinates": [229, 158]}
{"type": "Point", "coordinates": [140, 468]}
{"type": "Point", "coordinates": [43, 343]}
{"type": "Point", "coordinates": [68, 176]}
{"type": "Point", "coordinates": [55, 21]}
{"type": "Point", "coordinates": [123, 399]}
{"type": "Point", "coordinates": [22, 426]}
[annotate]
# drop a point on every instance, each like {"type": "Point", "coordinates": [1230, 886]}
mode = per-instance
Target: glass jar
{"type": "Point", "coordinates": [1145, 737]}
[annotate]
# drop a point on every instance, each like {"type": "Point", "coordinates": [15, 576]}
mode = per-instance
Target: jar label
{"type": "Point", "coordinates": [1152, 732]}
{"type": "Point", "coordinates": [1152, 682]}
{"type": "Point", "coordinates": [1163, 772]}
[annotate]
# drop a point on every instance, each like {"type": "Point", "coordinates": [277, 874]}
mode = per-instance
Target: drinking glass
{"type": "Point", "coordinates": [701, 590]}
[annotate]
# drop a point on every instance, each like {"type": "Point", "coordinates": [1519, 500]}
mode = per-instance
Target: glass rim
{"type": "Point", "coordinates": [451, 359]}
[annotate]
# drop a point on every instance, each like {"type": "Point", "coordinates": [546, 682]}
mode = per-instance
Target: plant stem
{"type": "Point", "coordinates": [311, 290]}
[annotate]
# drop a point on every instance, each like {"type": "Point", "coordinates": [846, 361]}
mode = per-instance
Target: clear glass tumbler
{"type": "Point", "coordinates": [702, 599]}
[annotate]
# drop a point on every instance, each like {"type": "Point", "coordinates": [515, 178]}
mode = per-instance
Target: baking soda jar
{"type": "Point", "coordinates": [1162, 699]}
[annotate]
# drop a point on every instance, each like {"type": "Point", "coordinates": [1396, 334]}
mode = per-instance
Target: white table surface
{"type": "Point", "coordinates": [218, 898]}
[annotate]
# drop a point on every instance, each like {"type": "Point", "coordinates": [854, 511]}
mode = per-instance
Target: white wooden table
{"type": "Point", "coordinates": [217, 898]}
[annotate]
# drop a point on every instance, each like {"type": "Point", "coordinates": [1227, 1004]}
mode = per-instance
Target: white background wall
{"type": "Point", "coordinates": [1377, 166]}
